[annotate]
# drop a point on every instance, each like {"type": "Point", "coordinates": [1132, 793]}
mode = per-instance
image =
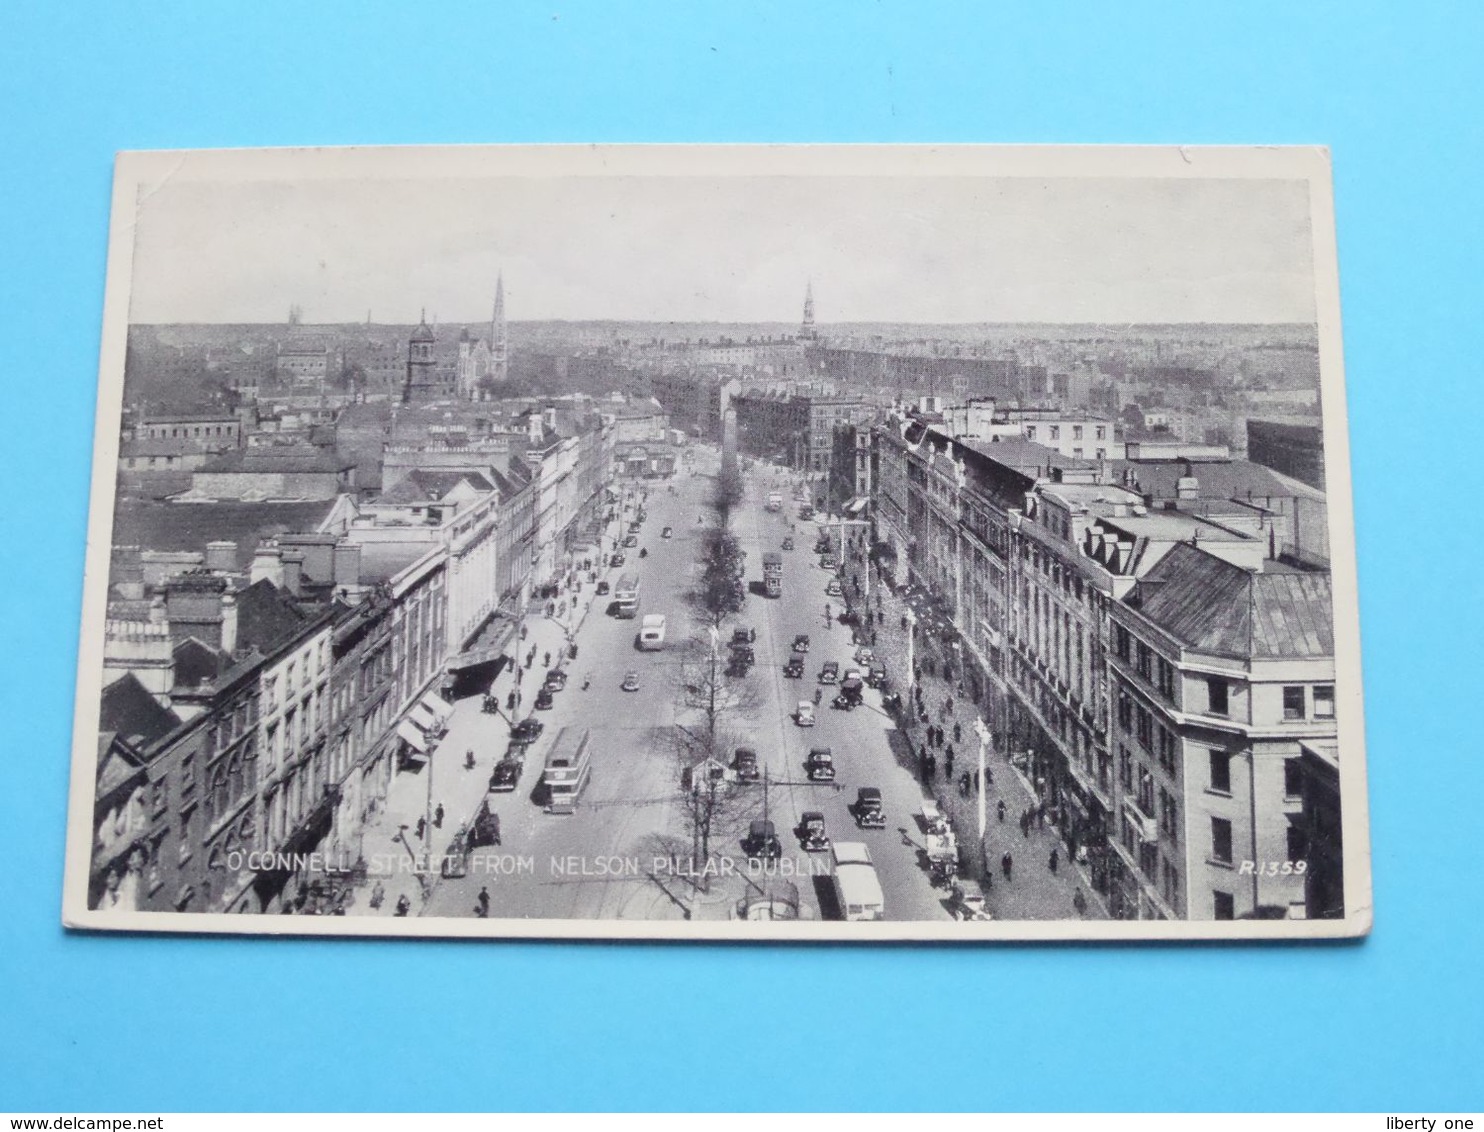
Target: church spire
{"type": "Point", "coordinates": [806, 329]}
{"type": "Point", "coordinates": [499, 342]}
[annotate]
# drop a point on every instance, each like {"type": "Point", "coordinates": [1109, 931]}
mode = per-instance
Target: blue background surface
{"type": "Point", "coordinates": [152, 1024]}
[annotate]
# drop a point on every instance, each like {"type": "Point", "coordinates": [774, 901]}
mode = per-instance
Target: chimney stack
{"type": "Point", "coordinates": [229, 624]}
{"type": "Point", "coordinates": [347, 564]}
{"type": "Point", "coordinates": [293, 571]}
{"type": "Point", "coordinates": [267, 562]}
{"type": "Point", "coordinates": [221, 556]}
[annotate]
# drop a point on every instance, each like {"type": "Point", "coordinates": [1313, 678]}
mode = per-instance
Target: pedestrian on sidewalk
{"type": "Point", "coordinates": [378, 895]}
{"type": "Point", "coordinates": [1006, 864]}
{"type": "Point", "coordinates": [484, 901]}
{"type": "Point", "coordinates": [963, 784]}
{"type": "Point", "coordinates": [403, 905]}
{"type": "Point", "coordinates": [948, 760]}
{"type": "Point", "coordinates": [1079, 903]}
{"type": "Point", "coordinates": [1025, 825]}
{"type": "Point", "coordinates": [422, 828]}
{"type": "Point", "coordinates": [1000, 810]}
{"type": "Point", "coordinates": [958, 733]}
{"type": "Point", "coordinates": [1052, 860]}
{"type": "Point", "coordinates": [438, 817]}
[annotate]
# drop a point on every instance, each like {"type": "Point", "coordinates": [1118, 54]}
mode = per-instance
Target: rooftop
{"type": "Point", "coordinates": [190, 526]}
{"type": "Point", "coordinates": [1210, 605]}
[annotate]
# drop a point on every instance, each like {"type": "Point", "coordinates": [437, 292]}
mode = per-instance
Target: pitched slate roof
{"type": "Point", "coordinates": [266, 617]}
{"type": "Point", "coordinates": [190, 526]}
{"type": "Point", "coordinates": [128, 709]}
{"type": "Point", "coordinates": [423, 484]}
{"type": "Point", "coordinates": [1212, 606]}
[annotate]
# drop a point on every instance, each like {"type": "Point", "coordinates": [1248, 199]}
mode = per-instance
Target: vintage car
{"type": "Point", "coordinates": [811, 831]}
{"type": "Point", "coordinates": [556, 680]}
{"type": "Point", "coordinates": [801, 643]}
{"type": "Point", "coordinates": [634, 526]}
{"type": "Point", "coordinates": [851, 692]}
{"type": "Point", "coordinates": [762, 841]}
{"type": "Point", "coordinates": [788, 544]}
{"type": "Point", "coordinates": [527, 731]}
{"type": "Point", "coordinates": [820, 765]}
{"type": "Point", "coordinates": [617, 559]}
{"type": "Point", "coordinates": [804, 716]}
{"type": "Point", "coordinates": [864, 656]}
{"type": "Point", "coordinates": [833, 588]}
{"type": "Point", "coordinates": [668, 532]}
{"type": "Point", "coordinates": [603, 588]}
{"type": "Point", "coordinates": [506, 775]}
{"type": "Point", "coordinates": [827, 562]}
{"type": "Point", "coordinates": [744, 762]}
{"type": "Point", "coordinates": [630, 682]}
{"type": "Point", "coordinates": [876, 677]}
{"type": "Point", "coordinates": [485, 829]}
{"type": "Point", "coordinates": [544, 700]}
{"type": "Point", "coordinates": [631, 541]}
{"type": "Point", "coordinates": [870, 813]}
{"type": "Point", "coordinates": [794, 669]}
{"type": "Point", "coordinates": [743, 636]}
{"type": "Point", "coordinates": [968, 900]}
{"type": "Point", "coordinates": [830, 673]}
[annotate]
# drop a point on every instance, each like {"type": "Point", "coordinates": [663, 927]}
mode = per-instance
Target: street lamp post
{"type": "Point", "coordinates": [982, 730]}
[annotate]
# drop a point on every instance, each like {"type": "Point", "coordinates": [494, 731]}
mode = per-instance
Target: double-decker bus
{"type": "Point", "coordinates": [568, 768]}
{"type": "Point", "coordinates": [773, 573]}
{"type": "Point", "coordinates": [626, 596]}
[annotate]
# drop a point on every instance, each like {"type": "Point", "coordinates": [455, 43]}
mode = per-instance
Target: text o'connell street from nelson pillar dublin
{"type": "Point", "coordinates": [738, 547]}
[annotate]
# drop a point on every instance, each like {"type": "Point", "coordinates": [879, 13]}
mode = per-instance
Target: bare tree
{"type": "Point", "coordinates": [704, 691]}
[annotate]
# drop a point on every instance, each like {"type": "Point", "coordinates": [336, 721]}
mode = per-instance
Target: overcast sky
{"type": "Point", "coordinates": [940, 249]}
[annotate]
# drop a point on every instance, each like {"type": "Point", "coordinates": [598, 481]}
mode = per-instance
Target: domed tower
{"type": "Point", "coordinates": [422, 370]}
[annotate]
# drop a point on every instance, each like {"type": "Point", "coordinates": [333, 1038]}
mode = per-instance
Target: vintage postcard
{"type": "Point", "coordinates": [802, 542]}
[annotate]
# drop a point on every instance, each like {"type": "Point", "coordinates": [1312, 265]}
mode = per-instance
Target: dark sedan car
{"type": "Point", "coordinates": [527, 731]}
{"type": "Point", "coordinates": [794, 669]}
{"type": "Point", "coordinates": [544, 700]}
{"type": "Point", "coordinates": [506, 776]}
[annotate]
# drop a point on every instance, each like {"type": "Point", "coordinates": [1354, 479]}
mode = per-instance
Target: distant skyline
{"type": "Point", "coordinates": [904, 250]}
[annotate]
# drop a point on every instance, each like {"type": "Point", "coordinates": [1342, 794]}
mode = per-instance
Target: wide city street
{"type": "Point", "coordinates": [629, 849]}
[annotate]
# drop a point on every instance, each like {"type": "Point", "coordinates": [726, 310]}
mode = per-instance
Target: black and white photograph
{"type": "Point", "coordinates": [722, 542]}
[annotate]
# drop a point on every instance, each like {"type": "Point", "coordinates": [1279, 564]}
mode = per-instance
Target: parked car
{"type": "Point", "coordinates": [634, 527]}
{"type": "Point", "coordinates": [667, 532]}
{"type": "Point", "coordinates": [820, 765]}
{"type": "Point", "coordinates": [794, 669]}
{"type": "Point", "coordinates": [527, 731]}
{"type": "Point", "coordinates": [506, 775]}
{"type": "Point", "coordinates": [556, 680]}
{"type": "Point", "coordinates": [762, 841]}
{"type": "Point", "coordinates": [804, 716]}
{"type": "Point", "coordinates": [788, 544]}
{"type": "Point", "coordinates": [744, 762]}
{"type": "Point", "coordinates": [833, 588]}
{"type": "Point", "coordinates": [830, 673]}
{"type": "Point", "coordinates": [743, 636]}
{"type": "Point", "coordinates": [864, 656]}
{"type": "Point", "coordinates": [876, 677]}
{"type": "Point", "coordinates": [827, 562]}
{"type": "Point", "coordinates": [801, 643]}
{"type": "Point", "coordinates": [544, 700]}
{"type": "Point", "coordinates": [603, 588]}
{"type": "Point", "coordinates": [631, 541]}
{"type": "Point", "coordinates": [630, 682]}
{"type": "Point", "coordinates": [617, 559]}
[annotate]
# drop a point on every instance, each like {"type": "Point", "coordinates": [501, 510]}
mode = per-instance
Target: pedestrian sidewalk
{"type": "Point", "coordinates": [407, 866]}
{"type": "Point", "coordinates": [1033, 891]}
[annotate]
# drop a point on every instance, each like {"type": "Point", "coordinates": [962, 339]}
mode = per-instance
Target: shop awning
{"type": "Point", "coordinates": [437, 705]}
{"type": "Point", "coordinates": [412, 735]}
{"type": "Point", "coordinates": [424, 717]}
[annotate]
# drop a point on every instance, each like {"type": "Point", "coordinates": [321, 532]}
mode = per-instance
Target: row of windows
{"type": "Point", "coordinates": [1054, 432]}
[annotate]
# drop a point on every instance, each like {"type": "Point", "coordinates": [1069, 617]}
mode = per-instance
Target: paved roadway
{"type": "Point", "coordinates": [612, 859]}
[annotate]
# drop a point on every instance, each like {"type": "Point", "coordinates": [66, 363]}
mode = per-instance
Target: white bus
{"type": "Point", "coordinates": [626, 596]}
{"type": "Point", "coordinates": [568, 768]}
{"type": "Point", "coordinates": [652, 632]}
{"type": "Point", "coordinates": [857, 887]}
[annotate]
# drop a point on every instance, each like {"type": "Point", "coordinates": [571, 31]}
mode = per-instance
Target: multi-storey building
{"type": "Point", "coordinates": [1032, 557]}
{"type": "Point", "coordinates": [1222, 678]}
